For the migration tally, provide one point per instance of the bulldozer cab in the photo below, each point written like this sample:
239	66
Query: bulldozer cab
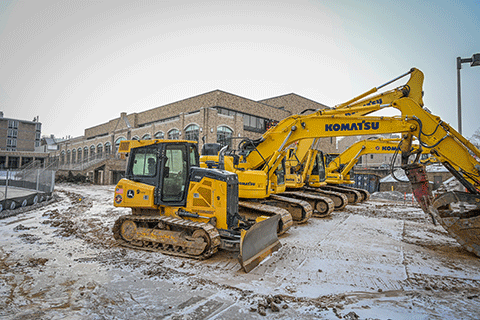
166	166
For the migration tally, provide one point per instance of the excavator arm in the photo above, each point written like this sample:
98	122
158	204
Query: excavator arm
412	89
338	169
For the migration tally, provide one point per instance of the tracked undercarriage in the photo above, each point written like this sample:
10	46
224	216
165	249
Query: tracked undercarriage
252	208
322	206
353	196
339	199
168	235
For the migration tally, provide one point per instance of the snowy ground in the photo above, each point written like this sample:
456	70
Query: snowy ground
379	260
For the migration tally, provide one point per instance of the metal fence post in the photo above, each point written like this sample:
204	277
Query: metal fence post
6	185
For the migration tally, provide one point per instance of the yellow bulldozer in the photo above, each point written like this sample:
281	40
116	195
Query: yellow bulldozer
183	210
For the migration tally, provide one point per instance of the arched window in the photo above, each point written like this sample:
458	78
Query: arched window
99	151
62	158
68	156
174	134
192	132
108	148
224	135
85	154
92	153
74	155
136	138
147	136
159	135
117	143
79	155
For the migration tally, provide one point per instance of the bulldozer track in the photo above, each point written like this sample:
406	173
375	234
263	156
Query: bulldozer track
188	226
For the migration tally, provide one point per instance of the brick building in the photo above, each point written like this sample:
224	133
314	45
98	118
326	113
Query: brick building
18	139
215	116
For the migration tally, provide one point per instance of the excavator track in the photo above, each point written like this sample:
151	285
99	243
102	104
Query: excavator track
339	199
300	210
463	225
323	206
253	208
167	235
353	196
365	194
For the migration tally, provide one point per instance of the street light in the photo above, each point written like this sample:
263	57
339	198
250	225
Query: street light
474	61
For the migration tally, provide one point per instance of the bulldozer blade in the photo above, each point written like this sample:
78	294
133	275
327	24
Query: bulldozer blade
258	242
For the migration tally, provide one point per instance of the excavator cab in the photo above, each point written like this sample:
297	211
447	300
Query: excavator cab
317	176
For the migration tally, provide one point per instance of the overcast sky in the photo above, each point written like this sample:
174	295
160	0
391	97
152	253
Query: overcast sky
79	63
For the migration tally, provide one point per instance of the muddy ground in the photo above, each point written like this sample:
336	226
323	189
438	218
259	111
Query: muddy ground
382	259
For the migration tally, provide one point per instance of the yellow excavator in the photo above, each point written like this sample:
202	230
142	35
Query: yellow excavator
181	209
307	164
449	147
259	188
303	160
339	167
261	185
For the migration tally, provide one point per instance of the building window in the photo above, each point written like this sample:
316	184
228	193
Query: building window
192	132
147	136
74	155
117	143
108	148
79	155
12	124
224	136
173	134
253	123
85	154
92	152
62	158
99	151
68	156
12	133
38	127
37	135
159	135
250	123
12	143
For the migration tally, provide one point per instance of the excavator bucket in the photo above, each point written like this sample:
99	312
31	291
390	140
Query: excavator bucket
258	242
463	224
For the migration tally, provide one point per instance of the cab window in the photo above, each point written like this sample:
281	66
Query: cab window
144	163
174	173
